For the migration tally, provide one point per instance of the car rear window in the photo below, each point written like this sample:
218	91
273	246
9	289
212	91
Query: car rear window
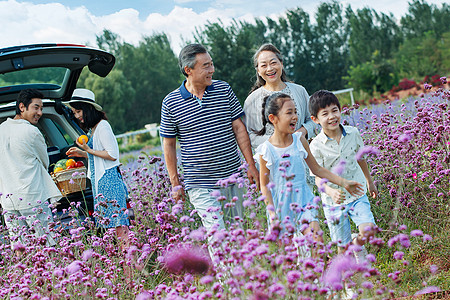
54	75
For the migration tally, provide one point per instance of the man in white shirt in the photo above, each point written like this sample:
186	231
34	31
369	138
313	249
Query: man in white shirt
25	185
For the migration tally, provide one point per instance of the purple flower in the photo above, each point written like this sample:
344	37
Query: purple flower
58	273
206	279
215	193
404	138
339	265
259	295
18	247
74	267
262	249
271	185
292	276
433	269
366	150
263	275
398	255
87	254
367	285
371	257
339	168
427	290
427	86
144	296
427	238
277	289
190	260
197	235
322	183
443	80
416	232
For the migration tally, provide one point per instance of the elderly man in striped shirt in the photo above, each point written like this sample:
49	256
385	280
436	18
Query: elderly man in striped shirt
205	115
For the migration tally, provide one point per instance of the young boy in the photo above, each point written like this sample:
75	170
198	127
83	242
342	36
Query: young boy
336	143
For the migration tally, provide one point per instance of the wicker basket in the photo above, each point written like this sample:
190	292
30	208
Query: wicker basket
63	180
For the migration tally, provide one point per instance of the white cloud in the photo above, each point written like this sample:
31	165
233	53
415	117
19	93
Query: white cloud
28	23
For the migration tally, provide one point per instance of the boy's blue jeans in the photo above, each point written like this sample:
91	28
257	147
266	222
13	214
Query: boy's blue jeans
338	219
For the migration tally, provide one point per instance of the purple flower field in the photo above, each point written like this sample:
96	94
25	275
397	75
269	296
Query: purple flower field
409	156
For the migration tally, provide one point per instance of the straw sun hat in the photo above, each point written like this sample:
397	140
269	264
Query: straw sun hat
84	95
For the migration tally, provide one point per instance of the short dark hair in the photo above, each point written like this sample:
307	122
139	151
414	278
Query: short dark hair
187	57
322	99
25	97
272	105
91	116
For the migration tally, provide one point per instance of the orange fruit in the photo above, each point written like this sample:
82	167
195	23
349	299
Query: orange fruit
70	163
56	170
82	138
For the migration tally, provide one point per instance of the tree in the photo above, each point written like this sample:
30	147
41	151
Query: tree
330	46
423	17
113	93
372	32
424	56
153	71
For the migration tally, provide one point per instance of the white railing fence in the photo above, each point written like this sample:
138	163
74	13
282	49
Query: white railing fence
350	90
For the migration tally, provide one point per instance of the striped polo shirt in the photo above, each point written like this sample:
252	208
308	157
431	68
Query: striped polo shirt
208	146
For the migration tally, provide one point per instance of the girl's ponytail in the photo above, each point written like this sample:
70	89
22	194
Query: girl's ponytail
264	120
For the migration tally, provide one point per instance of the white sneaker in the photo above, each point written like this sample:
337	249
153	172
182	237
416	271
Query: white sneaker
360	256
349	293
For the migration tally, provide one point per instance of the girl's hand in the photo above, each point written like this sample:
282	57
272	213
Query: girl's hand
338	196
75	152
373	190
354	188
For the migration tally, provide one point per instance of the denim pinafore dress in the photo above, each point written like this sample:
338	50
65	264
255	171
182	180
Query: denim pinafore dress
292	198
110	199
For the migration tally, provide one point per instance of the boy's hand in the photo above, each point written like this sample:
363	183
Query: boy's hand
338	196
372	190
354	188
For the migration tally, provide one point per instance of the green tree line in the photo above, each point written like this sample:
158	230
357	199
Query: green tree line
335	48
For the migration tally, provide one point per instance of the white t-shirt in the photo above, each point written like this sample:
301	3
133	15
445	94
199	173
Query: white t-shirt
328	153
24	179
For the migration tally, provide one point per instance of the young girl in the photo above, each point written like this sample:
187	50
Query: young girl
280	159
102	152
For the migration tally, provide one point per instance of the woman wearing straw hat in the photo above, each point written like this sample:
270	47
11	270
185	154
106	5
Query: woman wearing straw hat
102	152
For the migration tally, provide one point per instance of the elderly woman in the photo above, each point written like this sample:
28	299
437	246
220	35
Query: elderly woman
271	78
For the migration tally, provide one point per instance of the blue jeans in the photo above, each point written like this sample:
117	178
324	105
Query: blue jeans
213	211
338	219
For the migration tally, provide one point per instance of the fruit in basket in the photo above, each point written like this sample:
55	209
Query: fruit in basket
82	138
79	164
56	170
61	164
70	163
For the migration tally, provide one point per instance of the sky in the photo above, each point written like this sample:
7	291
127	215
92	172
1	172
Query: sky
80	21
